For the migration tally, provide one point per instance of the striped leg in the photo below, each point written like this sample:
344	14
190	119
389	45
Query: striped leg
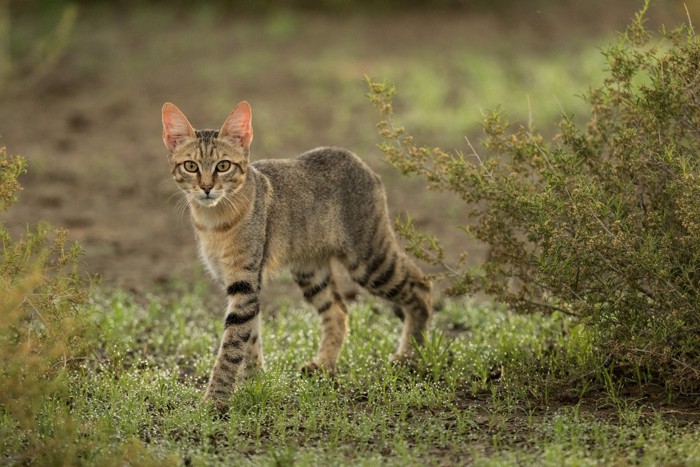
415	301
320	291
391	275
255	361
237	344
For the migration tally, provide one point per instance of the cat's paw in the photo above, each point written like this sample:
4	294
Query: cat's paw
218	403
218	397
312	367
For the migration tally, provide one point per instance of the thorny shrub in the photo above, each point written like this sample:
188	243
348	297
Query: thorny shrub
601	222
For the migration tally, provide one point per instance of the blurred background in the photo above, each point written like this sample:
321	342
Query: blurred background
82	84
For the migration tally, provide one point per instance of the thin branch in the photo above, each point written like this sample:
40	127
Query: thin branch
550	307
690	22
433	257
476	154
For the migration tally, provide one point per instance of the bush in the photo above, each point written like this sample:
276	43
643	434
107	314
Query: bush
42	332
45	331
601	222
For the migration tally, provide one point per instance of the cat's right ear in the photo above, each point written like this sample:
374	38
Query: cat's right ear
176	127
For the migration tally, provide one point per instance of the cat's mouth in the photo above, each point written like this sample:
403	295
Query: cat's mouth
209	200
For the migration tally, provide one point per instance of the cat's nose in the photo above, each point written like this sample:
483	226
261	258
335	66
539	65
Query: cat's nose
206	188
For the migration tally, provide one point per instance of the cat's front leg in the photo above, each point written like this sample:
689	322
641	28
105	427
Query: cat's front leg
240	338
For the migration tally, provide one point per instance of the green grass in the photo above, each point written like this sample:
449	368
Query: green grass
487	389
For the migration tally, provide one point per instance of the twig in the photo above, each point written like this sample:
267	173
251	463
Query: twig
550	307
435	259
475	154
690	22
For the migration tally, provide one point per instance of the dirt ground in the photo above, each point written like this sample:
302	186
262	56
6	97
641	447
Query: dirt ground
90	126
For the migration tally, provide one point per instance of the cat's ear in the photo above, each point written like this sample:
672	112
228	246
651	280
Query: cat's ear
176	127
237	126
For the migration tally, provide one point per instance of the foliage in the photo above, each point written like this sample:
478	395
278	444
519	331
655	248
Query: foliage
601	222
38	332
44	331
11	167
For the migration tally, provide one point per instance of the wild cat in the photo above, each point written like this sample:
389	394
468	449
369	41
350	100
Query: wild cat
251	219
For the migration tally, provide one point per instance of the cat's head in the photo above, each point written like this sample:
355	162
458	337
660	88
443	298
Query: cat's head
208	165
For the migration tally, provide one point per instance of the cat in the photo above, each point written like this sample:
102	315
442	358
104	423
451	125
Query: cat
323	209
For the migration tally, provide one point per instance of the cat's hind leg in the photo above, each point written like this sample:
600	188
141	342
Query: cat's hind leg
388	273
319	289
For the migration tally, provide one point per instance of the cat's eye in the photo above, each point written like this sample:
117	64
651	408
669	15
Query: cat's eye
191	166
223	166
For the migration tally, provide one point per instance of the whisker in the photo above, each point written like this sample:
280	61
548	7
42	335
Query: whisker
230	202
245	196
178	192
181	207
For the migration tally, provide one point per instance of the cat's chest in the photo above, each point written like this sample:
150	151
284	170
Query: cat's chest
209	257
220	250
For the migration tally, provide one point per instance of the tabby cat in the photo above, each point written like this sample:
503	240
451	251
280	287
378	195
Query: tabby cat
323	209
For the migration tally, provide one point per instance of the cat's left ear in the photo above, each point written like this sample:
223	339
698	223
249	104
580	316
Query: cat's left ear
176	127
237	127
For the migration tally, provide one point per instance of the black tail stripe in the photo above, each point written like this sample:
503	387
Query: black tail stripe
233	319
313	291
240	287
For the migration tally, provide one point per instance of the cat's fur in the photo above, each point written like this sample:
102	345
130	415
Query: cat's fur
324	208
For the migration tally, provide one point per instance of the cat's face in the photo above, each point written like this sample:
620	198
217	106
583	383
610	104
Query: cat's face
208	165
